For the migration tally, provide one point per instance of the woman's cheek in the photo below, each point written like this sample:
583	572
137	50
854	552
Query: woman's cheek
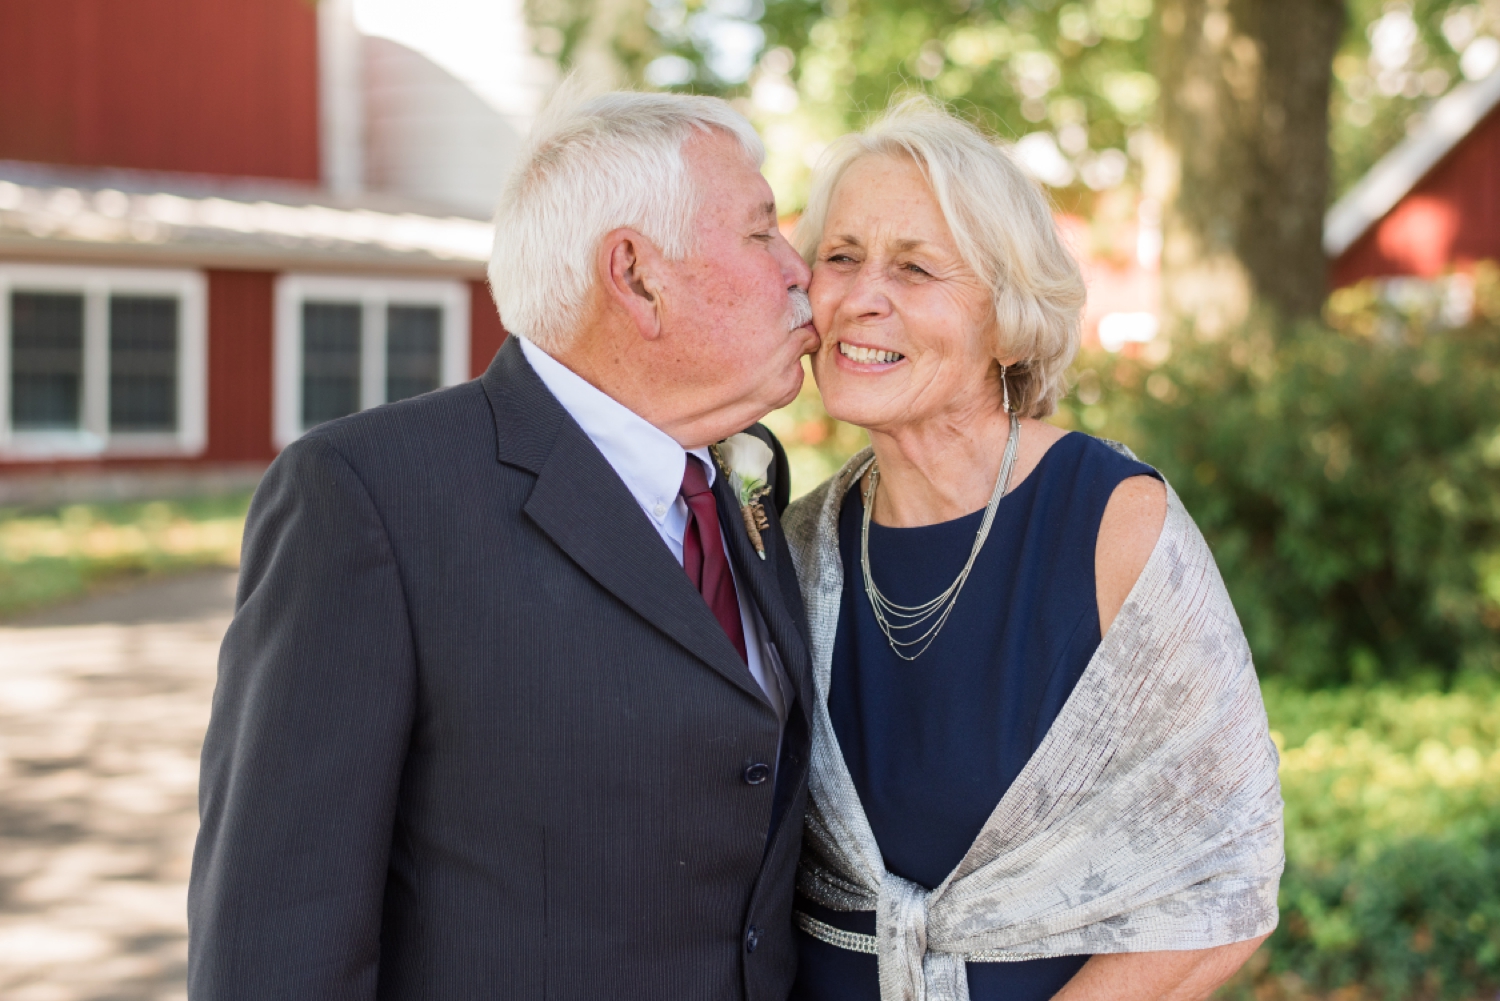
825	292
823	307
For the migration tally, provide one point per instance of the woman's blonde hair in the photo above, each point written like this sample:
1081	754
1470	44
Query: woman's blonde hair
1003	226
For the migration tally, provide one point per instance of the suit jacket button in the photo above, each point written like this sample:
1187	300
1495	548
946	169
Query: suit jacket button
752	938
757	774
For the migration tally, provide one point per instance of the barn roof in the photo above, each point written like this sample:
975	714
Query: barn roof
141	217
1444	126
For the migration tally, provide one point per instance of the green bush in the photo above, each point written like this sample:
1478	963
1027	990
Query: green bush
1347	477
1364	769
1421	919
1393	843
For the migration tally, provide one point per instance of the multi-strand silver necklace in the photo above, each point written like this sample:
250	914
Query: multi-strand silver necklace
903	619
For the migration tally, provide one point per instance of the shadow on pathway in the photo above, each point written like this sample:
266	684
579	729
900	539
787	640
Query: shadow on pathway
103	704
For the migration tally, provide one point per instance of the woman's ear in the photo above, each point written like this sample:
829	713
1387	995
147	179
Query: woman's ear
631	272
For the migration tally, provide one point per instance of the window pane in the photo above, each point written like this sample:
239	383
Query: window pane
142	364
330	360
413	341
46	361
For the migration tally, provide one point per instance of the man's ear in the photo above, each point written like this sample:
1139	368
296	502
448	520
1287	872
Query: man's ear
631	273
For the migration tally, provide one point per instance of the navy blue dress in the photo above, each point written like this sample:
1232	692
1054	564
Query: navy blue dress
933	745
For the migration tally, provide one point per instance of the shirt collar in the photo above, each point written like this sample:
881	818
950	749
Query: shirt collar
647	459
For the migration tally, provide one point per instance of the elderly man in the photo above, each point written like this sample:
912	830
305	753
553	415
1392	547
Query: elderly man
514	701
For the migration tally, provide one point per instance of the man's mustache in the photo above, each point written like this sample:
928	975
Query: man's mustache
801	308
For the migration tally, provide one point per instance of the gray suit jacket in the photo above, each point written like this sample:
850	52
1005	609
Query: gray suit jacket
476	736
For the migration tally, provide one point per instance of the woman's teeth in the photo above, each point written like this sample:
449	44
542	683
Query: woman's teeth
868	356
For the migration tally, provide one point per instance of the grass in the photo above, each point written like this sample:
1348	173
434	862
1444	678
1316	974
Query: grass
51	555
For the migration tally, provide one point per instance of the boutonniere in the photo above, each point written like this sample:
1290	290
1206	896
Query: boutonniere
746	460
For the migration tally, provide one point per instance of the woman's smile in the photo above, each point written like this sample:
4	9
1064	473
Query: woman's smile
864	358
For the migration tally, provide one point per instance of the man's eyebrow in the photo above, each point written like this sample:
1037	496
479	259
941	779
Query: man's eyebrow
764	211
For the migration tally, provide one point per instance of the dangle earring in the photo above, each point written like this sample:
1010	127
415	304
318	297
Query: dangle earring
1005	388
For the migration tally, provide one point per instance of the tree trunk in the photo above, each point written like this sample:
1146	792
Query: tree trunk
1242	167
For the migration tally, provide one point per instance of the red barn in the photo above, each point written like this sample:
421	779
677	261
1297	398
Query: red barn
1432	205
191	270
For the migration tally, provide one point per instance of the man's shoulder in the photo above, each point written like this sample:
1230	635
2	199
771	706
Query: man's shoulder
394	430
400	443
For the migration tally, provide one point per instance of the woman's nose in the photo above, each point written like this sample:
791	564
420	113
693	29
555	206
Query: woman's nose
865	295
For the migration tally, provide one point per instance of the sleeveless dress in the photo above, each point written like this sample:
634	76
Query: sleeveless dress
932	745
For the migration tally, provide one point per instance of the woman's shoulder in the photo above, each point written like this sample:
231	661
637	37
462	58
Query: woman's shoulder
803	511
819	507
1088	469
1106	456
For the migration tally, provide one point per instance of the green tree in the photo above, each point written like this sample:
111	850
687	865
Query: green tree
1074	76
1080	75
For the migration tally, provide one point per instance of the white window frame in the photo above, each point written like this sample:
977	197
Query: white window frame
373	295
93	439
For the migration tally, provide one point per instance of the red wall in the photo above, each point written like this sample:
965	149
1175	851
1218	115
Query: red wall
240	323
211	86
486	332
1449	220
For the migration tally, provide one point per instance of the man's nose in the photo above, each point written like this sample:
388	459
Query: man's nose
793	267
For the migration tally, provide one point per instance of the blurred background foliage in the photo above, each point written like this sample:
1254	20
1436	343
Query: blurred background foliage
1346	474
1076	76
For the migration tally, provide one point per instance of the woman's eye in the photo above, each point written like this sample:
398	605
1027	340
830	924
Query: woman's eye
915	270
839	259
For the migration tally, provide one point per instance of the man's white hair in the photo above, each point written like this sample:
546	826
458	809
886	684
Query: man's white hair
590	167
1004	229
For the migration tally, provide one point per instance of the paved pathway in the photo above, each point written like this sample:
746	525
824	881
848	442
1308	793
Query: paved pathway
102	710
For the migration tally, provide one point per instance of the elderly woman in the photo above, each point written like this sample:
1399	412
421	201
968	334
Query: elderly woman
1041	763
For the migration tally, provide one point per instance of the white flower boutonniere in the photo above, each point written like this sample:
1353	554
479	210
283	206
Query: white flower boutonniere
746	460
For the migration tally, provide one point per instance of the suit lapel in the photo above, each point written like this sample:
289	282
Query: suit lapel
761	578
580	502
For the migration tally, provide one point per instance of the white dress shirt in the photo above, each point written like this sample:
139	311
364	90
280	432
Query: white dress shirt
651	463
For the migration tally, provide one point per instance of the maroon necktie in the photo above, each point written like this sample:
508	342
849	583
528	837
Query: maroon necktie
703	554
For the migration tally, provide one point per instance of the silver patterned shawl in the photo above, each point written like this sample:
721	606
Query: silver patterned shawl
1148	819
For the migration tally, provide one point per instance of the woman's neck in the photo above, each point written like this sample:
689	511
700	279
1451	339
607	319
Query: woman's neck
943	469
938	470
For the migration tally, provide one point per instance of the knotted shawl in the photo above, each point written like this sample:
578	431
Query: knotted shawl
1148	819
